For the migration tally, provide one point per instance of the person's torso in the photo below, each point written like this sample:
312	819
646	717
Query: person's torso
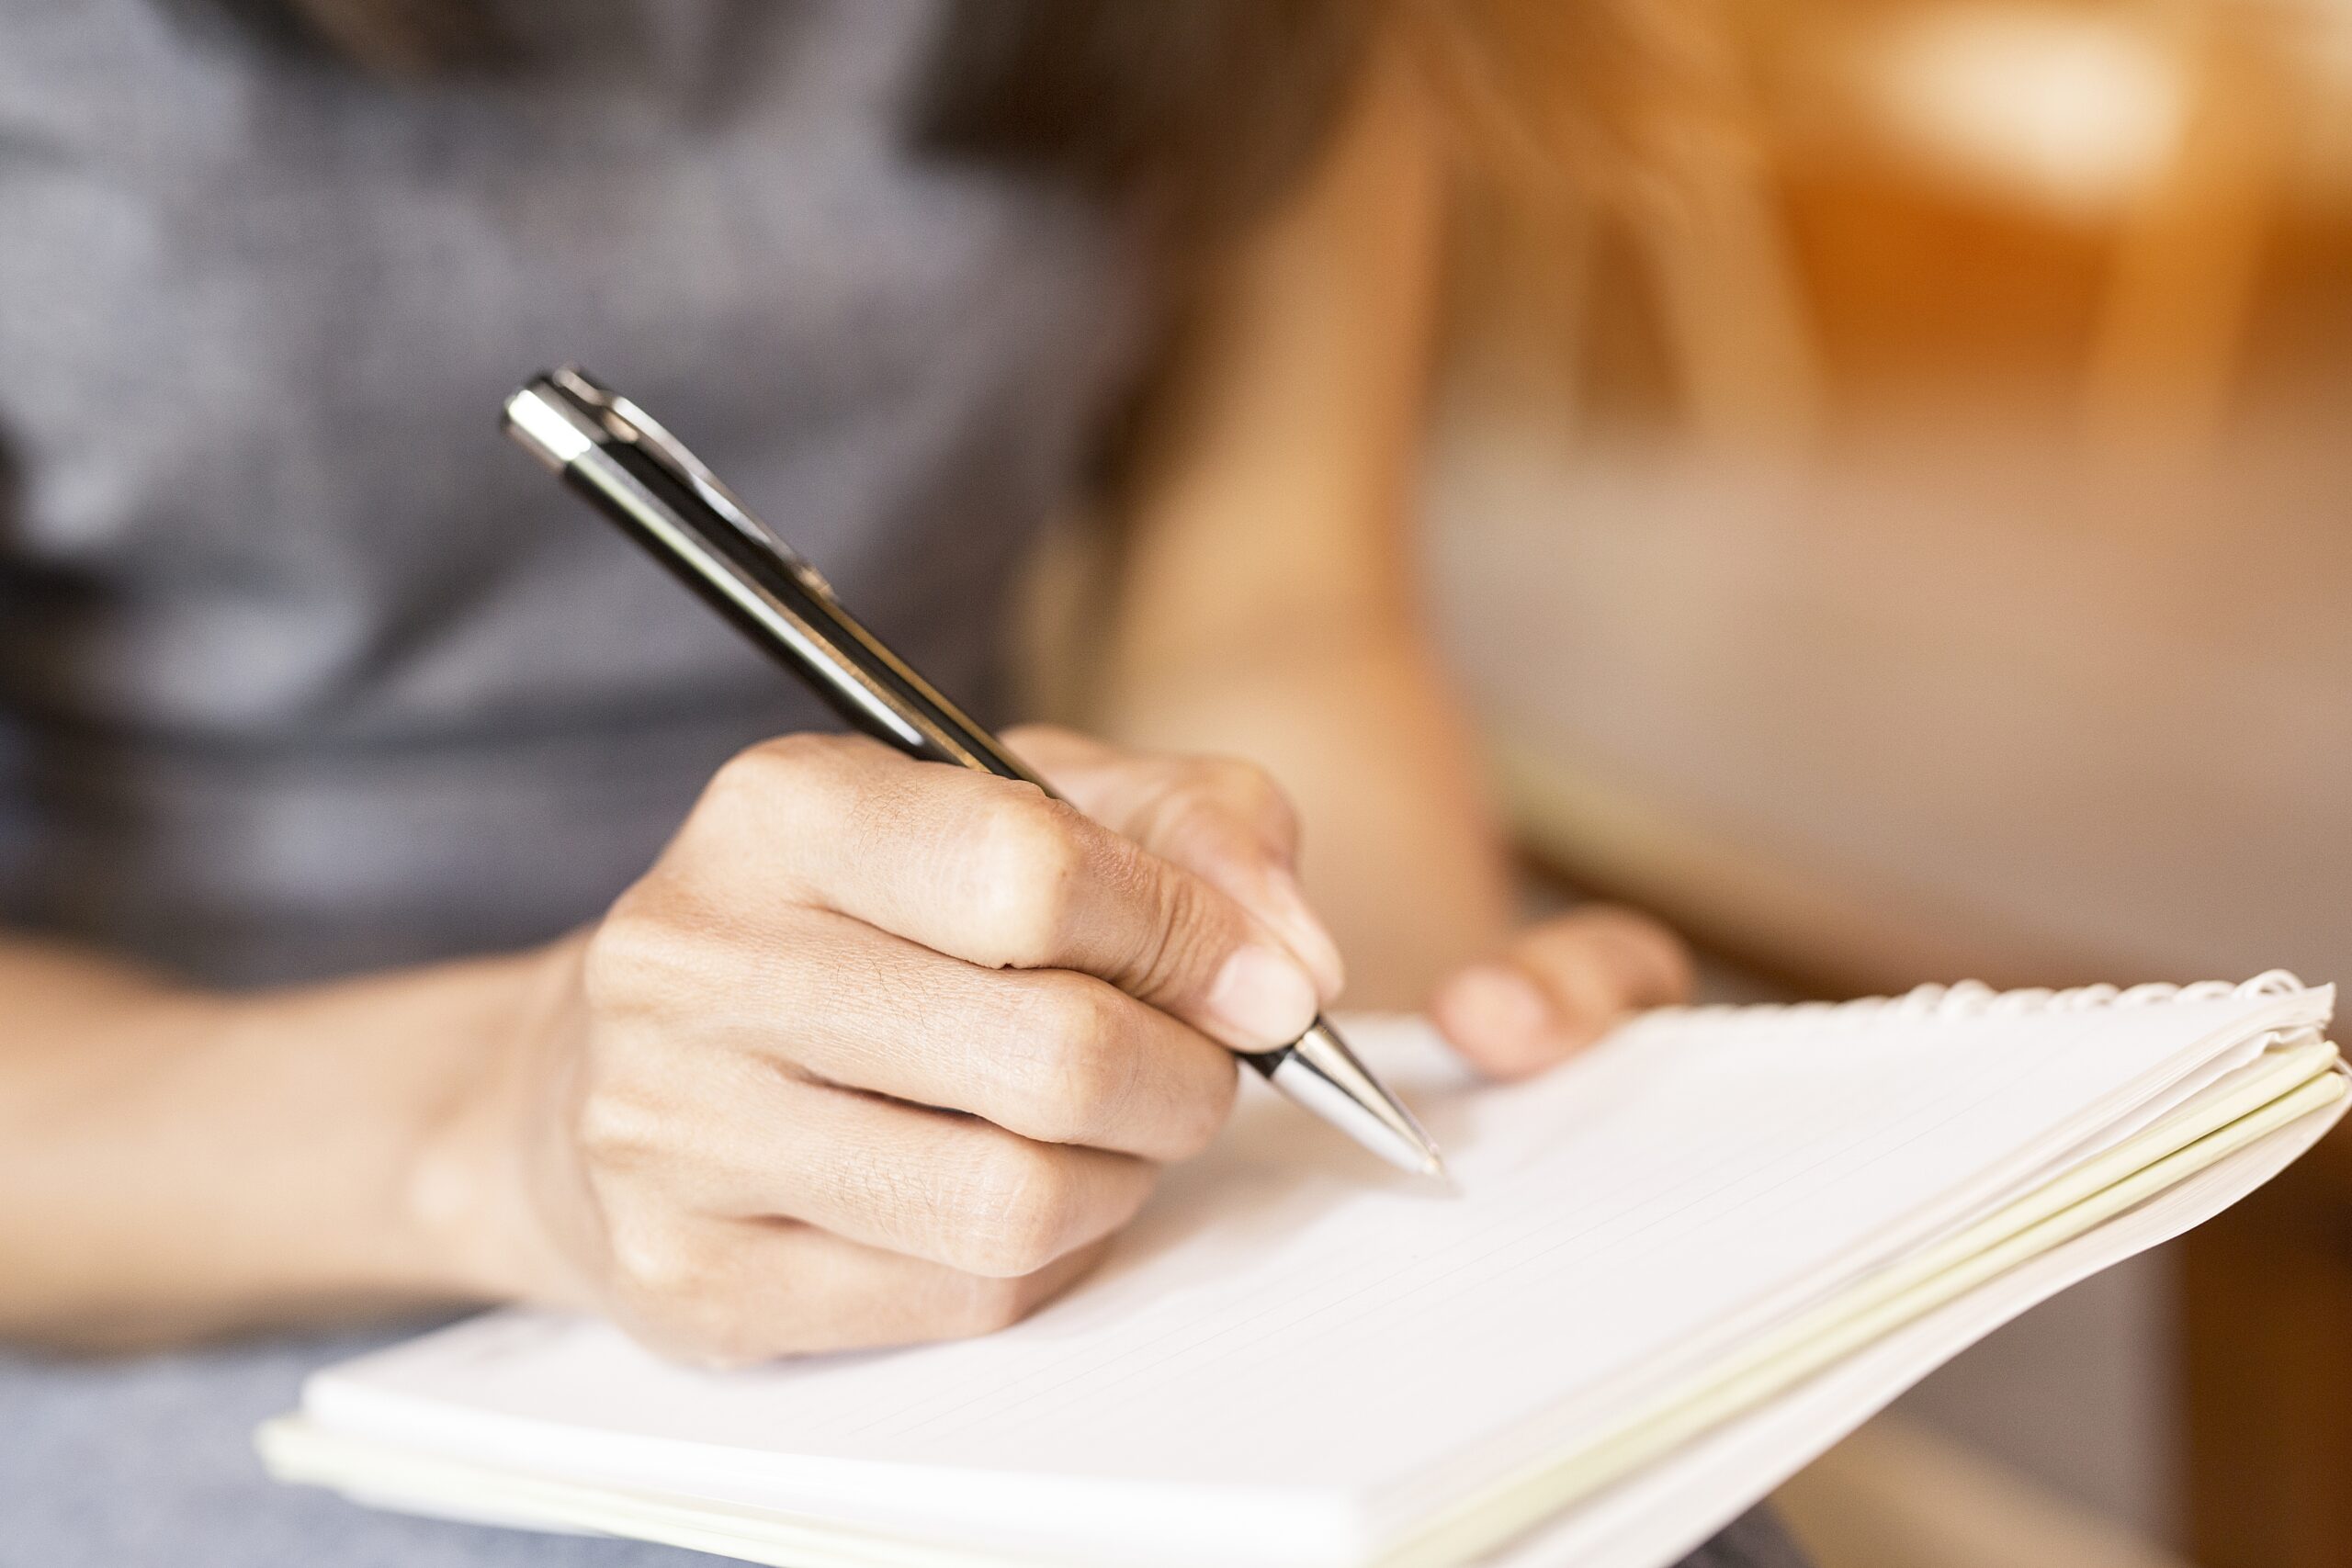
302	667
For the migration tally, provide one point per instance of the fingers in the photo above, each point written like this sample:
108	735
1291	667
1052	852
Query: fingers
1225	820
882	1051
995	873
1050	1054
1557	988
734	1292
947	1188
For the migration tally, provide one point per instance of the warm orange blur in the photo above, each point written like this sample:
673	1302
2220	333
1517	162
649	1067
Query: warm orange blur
1893	503
1923	498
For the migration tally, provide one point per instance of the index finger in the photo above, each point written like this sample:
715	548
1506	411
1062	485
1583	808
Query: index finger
995	872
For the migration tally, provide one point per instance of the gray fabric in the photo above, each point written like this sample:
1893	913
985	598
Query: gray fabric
149	1463
302	669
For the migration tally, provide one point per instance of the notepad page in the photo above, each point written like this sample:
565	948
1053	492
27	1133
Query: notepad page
1666	1511
1291	1332
1648	1519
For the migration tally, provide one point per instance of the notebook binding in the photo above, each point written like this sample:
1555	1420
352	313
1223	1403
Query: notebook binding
1973	998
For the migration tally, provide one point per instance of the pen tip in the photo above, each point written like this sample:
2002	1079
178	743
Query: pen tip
1321	1073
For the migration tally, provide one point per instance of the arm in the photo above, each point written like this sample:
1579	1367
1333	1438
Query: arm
172	1163
1265	604
595	1124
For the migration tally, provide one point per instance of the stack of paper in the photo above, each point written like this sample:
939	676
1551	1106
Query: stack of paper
1676	1270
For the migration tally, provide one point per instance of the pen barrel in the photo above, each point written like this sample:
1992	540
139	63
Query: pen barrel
776	600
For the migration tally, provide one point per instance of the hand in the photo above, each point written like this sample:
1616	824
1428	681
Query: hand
1556	986
882	1051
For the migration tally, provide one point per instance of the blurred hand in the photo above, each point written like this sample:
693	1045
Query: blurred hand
882	1051
1556	986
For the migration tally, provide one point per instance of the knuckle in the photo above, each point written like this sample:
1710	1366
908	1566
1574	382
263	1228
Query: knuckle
977	1305
1203	1115
752	774
1245	784
616	1132
1238	790
1019	1210
1098	1086
1191	824
629	955
797	755
680	1286
703	1334
760	778
1068	1079
659	1275
1027	864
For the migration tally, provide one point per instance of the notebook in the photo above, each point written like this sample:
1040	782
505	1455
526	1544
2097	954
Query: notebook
1675	1270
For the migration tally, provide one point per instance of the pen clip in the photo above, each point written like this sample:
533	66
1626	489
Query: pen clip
624	420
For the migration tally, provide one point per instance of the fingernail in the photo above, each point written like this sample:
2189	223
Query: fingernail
1501	1003
1308	936
1263	997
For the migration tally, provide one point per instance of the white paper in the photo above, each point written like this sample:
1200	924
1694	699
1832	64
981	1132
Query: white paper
1293	1350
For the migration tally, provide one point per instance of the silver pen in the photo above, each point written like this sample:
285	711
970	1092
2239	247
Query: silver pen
638	475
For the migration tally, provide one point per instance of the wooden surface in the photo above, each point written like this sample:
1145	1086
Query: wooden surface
2268	1341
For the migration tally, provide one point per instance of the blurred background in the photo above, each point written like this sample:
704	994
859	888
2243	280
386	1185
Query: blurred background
1893	511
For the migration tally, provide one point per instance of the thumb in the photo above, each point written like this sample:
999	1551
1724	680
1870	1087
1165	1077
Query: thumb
1223	819
1557	986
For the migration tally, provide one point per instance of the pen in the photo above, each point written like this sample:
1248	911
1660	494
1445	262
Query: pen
609	451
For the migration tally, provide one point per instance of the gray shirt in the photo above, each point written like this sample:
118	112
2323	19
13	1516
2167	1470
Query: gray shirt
304	670
302	667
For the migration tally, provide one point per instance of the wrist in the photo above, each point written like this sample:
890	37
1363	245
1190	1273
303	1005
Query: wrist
468	1198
